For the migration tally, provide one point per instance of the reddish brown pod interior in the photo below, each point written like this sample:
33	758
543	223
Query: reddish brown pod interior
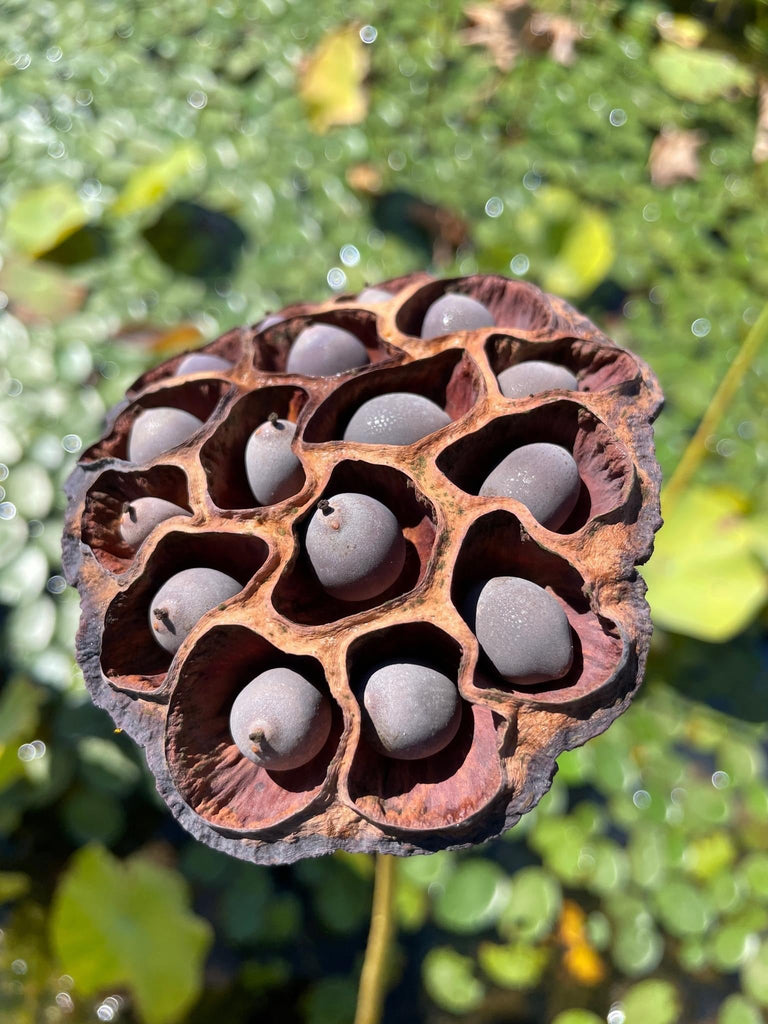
351	792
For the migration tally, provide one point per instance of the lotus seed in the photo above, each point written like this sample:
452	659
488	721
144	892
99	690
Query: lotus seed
533	377
543	477
523	630
142	515
411	710
451	313
155	431
269	321
183	600
323	350
280	720
374	295
197	362
396	418
355	545
274	472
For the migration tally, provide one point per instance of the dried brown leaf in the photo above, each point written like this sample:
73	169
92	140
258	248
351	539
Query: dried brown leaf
674	156
760	148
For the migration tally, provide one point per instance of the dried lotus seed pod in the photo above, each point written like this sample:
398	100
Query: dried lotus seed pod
355	545
489	641
451	313
533	377
543	476
197	362
323	350
523	631
158	430
183	600
274	471
142	515
280	720
396	418
411	710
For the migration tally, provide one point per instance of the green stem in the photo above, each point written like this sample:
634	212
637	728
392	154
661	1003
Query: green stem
697	447
373	978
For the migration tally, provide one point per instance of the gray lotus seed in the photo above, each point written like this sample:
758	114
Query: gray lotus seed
355	545
269	321
523	630
323	350
155	431
544	477
411	710
374	295
533	377
274	472
280	720
197	362
451	313
142	515
184	599
396	418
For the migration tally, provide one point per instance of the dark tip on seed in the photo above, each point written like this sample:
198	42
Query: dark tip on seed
273	418
160	613
130	511
325	506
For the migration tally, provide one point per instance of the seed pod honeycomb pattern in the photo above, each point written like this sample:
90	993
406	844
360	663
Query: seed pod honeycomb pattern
350	795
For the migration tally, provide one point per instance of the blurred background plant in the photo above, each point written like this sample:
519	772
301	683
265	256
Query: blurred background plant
171	169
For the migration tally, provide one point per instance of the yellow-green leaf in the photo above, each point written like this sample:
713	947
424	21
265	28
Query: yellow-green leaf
128	924
332	78
43	217
152	183
13	884
38	291
705	579
585	256
699	75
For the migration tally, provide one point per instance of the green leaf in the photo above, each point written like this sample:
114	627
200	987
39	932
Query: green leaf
738	1010
106	767
533	905
730	944
682	908
651	1002
516	966
754	975
754	870
450	981
578	1017
699	75
473	898
43	217
148	185
19	705
128	924
244	903
637	947
13	884
330	1001
705	579
411	905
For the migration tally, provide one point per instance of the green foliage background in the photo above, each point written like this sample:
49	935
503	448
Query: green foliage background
158	169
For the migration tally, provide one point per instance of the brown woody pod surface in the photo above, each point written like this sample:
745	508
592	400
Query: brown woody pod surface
349	794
